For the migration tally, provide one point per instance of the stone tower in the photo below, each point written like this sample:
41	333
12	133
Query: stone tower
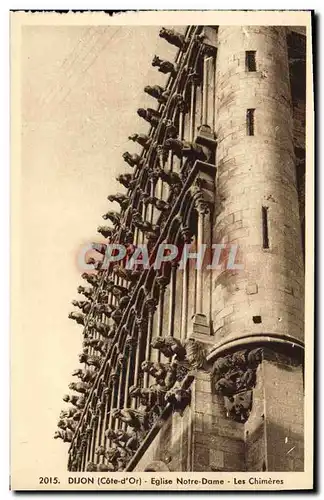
190	368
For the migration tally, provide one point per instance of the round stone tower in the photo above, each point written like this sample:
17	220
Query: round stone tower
257	201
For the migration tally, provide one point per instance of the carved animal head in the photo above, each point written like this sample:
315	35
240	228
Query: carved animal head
146	366
66	398
141	112
158	342
62	424
156	61
110	434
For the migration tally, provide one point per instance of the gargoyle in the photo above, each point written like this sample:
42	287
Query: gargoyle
84	375
82	387
170	347
143	225
90	278
133	160
90	360
67	423
161	205
99	247
114	217
117	290
150	115
78	401
69	413
87	292
136	419
100	327
117	316
124	302
183	149
165	374
84	305
147	397
78	317
195	354
173	37
157	92
104	309
164	66
142	139
98	345
120	198
126	439
65	435
127	180
106	231
126	274
171	178
178	398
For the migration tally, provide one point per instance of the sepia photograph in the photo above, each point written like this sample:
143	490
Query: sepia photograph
162	253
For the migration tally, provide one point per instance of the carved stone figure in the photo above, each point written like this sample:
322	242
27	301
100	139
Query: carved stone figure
90	278
67	423
117	290
131	275
84	375
143	225
195	353
157	92
124	302
165	374
127	180
235	377
173	37
98	345
150	115
132	160
69	413
183	149
126	439
134	418
171	178
114	217
99	326
161	205
120	198
117	316
142	139
82	387
84	305
169	347
179	398
148	397
104	309
87	292
97	264
164	66
65	435
78	401
106	231
90	360
78	317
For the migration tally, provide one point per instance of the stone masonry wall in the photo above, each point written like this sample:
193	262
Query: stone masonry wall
254	172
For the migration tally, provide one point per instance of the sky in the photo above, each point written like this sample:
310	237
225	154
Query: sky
80	89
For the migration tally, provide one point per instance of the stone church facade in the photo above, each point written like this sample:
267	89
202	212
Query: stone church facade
188	368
